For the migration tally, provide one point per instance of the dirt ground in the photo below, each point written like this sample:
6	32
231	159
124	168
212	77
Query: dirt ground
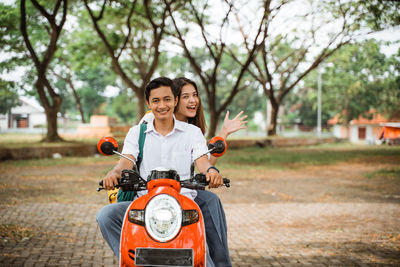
346	214
342	182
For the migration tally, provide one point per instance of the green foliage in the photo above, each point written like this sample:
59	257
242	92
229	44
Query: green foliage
302	105
11	39
124	106
359	78
374	14
380	14
91	101
8	96
300	157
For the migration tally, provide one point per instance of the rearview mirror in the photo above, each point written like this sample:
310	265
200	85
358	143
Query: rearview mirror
107	145
218	146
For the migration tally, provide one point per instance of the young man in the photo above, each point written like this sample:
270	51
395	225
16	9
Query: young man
169	143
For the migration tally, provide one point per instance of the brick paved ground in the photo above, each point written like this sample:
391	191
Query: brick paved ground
278	234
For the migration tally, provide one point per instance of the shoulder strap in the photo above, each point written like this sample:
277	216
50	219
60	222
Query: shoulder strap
142	138
130	195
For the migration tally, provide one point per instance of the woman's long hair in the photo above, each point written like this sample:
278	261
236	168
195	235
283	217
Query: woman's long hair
198	120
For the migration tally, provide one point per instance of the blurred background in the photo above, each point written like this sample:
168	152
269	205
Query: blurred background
75	69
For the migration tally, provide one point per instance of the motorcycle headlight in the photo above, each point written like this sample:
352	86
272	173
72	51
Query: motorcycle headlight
163	217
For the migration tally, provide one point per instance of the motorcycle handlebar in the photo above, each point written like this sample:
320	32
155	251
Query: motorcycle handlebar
227	182
190	185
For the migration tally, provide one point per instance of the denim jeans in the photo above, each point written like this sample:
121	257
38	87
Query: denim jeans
216	228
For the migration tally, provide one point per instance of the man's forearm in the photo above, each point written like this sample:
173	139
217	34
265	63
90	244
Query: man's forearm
203	164
112	176
124	164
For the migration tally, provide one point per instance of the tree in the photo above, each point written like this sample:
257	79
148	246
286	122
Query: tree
388	89
10	39
206	62
94	81
54	22
133	43
286	58
360	78
8	96
83	64
123	106
301	106
12	46
67	78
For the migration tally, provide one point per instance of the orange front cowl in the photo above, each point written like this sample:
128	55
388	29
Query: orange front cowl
189	237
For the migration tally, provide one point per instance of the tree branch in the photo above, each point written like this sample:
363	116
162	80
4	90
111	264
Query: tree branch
43	11
128	22
203	76
203	31
25	35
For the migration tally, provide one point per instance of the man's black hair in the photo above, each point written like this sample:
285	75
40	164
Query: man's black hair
156	83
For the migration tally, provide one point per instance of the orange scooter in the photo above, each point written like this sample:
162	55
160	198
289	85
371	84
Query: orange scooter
163	227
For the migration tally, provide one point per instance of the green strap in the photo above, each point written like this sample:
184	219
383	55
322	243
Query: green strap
125	196
130	195
142	138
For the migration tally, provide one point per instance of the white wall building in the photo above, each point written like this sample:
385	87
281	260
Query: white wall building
28	115
364	130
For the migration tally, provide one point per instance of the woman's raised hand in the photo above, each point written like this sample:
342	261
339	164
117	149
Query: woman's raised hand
234	125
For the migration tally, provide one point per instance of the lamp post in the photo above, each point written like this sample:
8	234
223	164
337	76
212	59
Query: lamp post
319	128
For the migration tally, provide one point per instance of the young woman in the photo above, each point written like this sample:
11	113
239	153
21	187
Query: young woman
190	110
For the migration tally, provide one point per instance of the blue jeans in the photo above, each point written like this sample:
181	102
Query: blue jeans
110	219
216	228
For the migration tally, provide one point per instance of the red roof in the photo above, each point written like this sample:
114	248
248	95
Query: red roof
376	119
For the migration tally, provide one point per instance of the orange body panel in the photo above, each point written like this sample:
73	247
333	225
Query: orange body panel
189	237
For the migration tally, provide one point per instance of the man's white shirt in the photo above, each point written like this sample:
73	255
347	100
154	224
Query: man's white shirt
176	150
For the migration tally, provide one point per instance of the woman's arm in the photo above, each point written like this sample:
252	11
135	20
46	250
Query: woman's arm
229	127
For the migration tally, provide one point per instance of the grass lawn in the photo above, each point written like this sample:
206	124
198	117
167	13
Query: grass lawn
18	140
298	157
254	157
74	179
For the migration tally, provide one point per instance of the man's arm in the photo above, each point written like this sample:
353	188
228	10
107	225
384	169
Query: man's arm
131	150
212	175
111	178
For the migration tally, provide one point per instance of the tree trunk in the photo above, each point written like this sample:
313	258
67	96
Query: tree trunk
52	129
271	129
51	110
214	118
79	107
141	108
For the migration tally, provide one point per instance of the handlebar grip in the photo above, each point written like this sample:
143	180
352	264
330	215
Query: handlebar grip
226	182
101	186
